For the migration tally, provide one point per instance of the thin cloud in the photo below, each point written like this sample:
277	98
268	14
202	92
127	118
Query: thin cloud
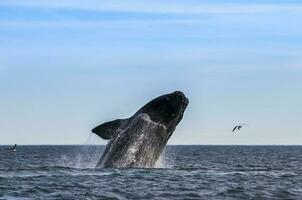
158	6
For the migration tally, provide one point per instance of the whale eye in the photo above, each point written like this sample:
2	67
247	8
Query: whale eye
173	116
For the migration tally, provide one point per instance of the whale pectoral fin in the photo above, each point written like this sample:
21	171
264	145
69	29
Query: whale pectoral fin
109	130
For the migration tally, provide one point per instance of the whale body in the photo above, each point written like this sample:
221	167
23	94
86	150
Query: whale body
139	140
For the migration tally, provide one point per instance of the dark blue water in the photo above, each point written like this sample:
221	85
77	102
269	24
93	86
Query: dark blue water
185	172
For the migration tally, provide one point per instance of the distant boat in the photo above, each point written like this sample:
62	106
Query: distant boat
15	148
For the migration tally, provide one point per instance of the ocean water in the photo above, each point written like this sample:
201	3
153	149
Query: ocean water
184	172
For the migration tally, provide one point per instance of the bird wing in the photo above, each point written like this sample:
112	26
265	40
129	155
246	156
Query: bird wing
234	128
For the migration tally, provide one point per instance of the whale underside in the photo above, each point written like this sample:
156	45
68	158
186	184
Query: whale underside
139	140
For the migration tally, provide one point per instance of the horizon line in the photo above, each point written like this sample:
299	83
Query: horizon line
166	145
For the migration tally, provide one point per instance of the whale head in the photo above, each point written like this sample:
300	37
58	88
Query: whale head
166	110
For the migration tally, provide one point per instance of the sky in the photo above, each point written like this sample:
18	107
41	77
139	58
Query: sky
67	66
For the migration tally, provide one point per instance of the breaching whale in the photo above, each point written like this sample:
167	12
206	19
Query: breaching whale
139	140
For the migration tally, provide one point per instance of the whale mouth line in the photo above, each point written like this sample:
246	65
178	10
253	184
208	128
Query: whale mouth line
147	118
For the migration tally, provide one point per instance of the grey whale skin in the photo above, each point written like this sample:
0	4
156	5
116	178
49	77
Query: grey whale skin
139	140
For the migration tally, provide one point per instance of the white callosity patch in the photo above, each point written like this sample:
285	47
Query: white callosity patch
148	119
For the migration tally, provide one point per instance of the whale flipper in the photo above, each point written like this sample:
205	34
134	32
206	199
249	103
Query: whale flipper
109	130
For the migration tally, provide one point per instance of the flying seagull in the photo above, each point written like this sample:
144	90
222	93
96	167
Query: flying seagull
238	127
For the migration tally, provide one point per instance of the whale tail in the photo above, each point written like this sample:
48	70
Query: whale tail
109	130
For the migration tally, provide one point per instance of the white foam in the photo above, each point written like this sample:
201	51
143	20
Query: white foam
161	161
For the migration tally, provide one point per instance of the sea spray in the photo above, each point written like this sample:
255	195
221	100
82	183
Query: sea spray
161	162
86	156
90	153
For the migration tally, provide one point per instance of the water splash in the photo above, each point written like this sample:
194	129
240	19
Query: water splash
86	156
161	162
89	154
